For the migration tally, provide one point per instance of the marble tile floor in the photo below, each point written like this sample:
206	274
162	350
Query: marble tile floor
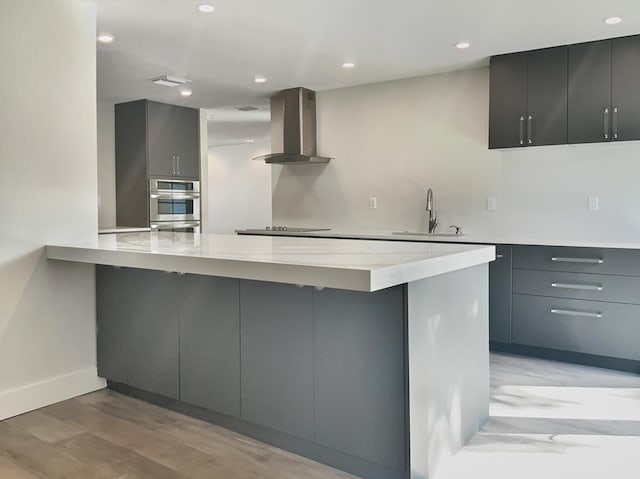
554	420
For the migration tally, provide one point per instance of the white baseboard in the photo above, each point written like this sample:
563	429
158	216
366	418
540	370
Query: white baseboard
44	393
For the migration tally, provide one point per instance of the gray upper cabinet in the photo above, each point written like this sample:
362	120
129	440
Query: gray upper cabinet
589	92
500	279
603	100
168	139
528	99
581	93
160	151
172	141
625	78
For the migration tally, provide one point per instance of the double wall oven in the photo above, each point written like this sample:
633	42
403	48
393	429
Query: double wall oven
174	205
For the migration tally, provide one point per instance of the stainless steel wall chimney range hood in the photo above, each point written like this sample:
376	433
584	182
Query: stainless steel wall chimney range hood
293	128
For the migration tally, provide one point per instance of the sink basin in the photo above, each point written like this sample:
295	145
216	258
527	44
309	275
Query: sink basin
431	235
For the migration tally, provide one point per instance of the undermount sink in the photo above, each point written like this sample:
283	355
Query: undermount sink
433	235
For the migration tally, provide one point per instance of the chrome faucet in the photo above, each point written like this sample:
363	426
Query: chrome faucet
433	221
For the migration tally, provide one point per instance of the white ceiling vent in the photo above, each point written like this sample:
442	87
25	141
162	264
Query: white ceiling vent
170	81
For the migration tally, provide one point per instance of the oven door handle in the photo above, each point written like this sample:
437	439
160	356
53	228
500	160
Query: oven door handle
175	196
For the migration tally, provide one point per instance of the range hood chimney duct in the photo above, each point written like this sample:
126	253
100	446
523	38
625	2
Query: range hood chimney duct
293	128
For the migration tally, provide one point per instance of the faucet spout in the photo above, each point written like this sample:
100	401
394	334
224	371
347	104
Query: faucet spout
433	220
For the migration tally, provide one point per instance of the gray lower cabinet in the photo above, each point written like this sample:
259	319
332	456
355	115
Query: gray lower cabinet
581	300
209	343
359	382
500	281
592	327
276	338
137	314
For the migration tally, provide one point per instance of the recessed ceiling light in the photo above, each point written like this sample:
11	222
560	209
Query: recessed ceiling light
348	65
613	20
259	79
463	45
206	8
186	92
105	38
250	141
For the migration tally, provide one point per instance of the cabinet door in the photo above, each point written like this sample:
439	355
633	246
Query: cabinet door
209	343
547	97
186	142
360	373
500	285
589	102
137	314
160	151
625	103
508	100
276	344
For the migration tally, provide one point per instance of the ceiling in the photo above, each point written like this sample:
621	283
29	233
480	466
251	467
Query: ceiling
304	43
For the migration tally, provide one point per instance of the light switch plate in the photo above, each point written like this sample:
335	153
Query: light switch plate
492	203
373	202
593	203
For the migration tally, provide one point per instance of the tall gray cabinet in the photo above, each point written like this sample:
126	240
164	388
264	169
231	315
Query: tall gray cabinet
153	140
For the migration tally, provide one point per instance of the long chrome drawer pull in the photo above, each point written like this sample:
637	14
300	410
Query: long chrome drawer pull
569	312
558	259
588	287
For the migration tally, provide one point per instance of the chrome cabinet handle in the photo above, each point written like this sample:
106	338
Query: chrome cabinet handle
586	287
614	125
522	130
530	130
571	312
606	123
498	256
559	259
178	163
173	164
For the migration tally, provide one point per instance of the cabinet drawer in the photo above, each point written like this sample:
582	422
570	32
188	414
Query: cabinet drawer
605	329
581	260
595	287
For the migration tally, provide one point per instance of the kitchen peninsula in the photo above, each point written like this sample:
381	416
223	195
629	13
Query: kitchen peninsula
370	356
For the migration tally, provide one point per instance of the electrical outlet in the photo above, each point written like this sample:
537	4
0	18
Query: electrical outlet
492	203
593	203
373	203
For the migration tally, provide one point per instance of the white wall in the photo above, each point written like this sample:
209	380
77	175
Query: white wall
239	188
394	140
106	165
48	188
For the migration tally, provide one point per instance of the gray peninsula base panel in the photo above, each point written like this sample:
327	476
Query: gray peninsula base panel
383	385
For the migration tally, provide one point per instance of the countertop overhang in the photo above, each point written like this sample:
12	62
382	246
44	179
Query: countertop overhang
357	265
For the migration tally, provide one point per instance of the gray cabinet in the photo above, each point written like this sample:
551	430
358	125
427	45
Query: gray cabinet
173	149
137	340
500	284
603	101
152	140
579	93
591	327
209	344
359	385
582	300
528	99
276	338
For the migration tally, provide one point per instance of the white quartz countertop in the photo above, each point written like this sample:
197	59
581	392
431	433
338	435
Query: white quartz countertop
462	239
123	229
358	265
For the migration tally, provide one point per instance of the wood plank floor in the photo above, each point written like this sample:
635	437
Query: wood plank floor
548	420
